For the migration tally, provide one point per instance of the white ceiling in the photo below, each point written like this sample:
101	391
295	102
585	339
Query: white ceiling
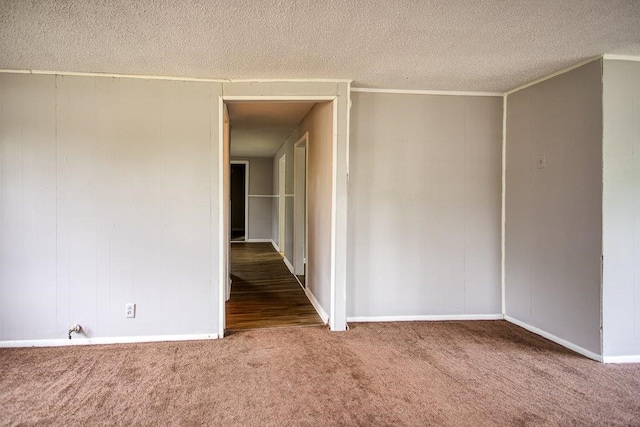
461	45
258	129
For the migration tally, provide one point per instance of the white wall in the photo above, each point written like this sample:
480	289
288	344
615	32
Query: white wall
260	196
621	209
106	198
553	232
424	205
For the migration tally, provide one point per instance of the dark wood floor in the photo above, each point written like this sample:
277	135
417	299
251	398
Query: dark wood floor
264	293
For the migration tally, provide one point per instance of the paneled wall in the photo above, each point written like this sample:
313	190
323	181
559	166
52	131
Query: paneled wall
424	205
106	199
554	206
109	194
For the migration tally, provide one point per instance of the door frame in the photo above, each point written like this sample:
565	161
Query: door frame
282	203
336	245
246	197
302	141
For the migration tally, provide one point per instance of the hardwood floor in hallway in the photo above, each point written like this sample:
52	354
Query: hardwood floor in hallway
264	293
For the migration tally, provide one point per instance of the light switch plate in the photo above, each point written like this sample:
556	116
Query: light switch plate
541	161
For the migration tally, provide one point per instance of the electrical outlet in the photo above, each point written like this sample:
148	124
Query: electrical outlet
541	161
130	310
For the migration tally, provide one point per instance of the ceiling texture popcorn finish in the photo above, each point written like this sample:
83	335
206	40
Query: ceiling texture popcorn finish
454	45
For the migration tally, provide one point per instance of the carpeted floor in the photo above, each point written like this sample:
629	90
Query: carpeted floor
430	373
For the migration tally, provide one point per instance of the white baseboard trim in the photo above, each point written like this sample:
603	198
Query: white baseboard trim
425	318
288	264
622	359
62	342
299	282
555	339
314	302
275	246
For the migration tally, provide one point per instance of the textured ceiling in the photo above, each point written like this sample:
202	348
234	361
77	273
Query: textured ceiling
462	45
258	129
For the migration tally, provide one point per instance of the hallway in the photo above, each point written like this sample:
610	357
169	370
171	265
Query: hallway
264	294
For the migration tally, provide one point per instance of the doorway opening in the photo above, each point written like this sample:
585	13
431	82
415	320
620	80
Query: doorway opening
266	289
238	204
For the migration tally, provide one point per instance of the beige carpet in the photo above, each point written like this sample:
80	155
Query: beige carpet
447	373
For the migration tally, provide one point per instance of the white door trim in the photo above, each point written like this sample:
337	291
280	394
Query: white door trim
319	98
282	204
303	140
222	246
334	217
223	254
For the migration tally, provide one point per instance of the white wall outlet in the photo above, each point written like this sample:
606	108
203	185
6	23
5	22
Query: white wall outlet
130	310
541	161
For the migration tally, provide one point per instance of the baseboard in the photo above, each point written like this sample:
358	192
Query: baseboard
275	246
423	318
300	283
288	264
555	339
314	302
621	359
61	342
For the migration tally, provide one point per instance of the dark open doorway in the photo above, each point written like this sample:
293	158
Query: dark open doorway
238	196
